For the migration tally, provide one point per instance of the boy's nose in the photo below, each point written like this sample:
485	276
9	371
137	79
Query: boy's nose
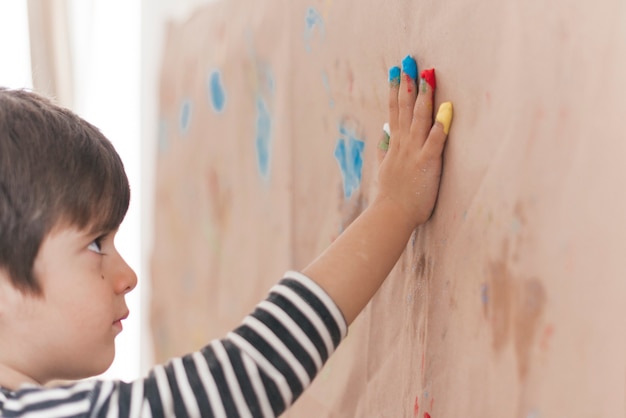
125	277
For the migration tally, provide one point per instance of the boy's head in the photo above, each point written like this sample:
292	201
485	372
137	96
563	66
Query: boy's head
55	170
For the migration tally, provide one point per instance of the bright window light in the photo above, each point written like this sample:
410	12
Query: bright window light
106	53
14	45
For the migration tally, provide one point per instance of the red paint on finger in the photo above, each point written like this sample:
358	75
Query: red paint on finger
416	408
429	76
426	415
409	82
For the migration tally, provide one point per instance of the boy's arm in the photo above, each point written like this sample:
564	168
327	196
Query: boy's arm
352	269
262	367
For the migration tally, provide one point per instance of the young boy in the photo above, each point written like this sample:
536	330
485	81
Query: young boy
63	194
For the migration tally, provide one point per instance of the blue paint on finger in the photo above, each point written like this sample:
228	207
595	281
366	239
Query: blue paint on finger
409	66
394	75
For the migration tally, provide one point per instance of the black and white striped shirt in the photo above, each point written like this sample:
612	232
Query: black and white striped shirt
257	370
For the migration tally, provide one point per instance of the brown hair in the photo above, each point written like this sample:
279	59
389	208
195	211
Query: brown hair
55	168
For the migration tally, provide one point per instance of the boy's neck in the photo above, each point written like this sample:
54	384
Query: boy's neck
12	379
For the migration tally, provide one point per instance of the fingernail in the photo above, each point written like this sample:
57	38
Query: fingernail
386	130
409	66
394	76
429	77
444	116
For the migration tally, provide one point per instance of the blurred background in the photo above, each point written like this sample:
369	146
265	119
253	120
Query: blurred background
101	58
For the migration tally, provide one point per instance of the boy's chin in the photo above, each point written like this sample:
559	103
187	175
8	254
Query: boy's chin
92	366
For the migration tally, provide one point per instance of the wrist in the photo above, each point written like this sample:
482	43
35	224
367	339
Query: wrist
394	214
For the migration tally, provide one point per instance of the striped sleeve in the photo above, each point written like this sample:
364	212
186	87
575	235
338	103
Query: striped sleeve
262	366
258	370
286	340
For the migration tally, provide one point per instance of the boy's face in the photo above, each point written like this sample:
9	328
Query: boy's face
69	331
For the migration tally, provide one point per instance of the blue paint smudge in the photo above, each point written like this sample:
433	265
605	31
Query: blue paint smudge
217	95
163	139
326	83
185	116
263	136
312	20
484	293
349	155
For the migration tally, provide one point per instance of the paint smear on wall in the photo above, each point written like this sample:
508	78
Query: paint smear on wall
331	101
484	298
263	136
313	23
349	155
217	94
263	86
185	116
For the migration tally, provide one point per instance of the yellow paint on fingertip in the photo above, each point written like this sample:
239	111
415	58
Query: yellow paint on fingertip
444	116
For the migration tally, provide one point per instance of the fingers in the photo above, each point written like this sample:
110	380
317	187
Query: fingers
423	111
407	94
433	147
394	86
411	111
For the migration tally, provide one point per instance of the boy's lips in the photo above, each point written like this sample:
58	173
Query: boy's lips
121	318
118	322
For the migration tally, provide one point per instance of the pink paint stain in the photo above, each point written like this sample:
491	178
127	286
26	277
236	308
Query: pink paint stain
350	80
547	336
416	407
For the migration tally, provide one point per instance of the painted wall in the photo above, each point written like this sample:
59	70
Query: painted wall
509	301
155	17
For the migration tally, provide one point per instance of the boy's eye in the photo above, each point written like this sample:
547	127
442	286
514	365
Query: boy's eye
96	246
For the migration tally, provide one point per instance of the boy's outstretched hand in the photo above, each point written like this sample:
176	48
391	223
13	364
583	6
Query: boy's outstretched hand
410	168
352	269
